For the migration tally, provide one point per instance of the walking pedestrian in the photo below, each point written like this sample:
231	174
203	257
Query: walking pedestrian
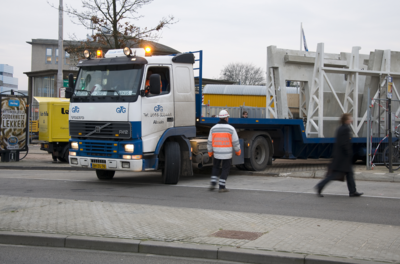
222	139
342	159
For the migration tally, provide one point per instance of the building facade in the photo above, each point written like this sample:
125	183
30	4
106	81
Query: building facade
42	80
7	81
44	67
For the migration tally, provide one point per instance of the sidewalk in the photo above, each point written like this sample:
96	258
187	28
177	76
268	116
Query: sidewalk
232	236
41	160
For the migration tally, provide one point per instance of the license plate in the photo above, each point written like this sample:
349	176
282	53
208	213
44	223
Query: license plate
99	166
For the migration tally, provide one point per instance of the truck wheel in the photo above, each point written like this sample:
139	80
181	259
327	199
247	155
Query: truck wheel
259	155
64	155
105	174
172	167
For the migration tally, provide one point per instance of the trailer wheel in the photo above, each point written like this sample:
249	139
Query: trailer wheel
172	167
105	174
259	155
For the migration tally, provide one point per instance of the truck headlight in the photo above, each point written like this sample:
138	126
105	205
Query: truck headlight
75	145
129	148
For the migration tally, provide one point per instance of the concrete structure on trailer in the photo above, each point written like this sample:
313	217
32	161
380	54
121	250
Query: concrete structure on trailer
340	76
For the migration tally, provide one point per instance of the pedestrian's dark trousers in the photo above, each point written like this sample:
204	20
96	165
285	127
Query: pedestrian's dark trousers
351	185
226	165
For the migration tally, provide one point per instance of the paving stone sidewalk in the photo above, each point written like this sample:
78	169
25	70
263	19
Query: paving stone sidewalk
342	239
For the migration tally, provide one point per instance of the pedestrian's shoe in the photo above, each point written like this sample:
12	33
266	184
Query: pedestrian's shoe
318	190
223	190
212	187
356	194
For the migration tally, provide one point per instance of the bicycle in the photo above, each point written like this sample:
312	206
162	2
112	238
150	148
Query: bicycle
395	153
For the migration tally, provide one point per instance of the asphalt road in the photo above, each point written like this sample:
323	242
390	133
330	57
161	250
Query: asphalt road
47	255
255	194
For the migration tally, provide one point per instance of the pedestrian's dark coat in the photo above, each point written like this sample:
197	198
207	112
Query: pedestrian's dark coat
342	151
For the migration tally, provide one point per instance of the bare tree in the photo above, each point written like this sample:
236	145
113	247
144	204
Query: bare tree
112	22
243	73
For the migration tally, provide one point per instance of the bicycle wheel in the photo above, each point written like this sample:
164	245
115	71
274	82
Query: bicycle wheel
395	157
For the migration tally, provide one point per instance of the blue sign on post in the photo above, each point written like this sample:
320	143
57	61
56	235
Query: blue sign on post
13	103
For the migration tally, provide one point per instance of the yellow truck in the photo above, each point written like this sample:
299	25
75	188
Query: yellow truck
54	127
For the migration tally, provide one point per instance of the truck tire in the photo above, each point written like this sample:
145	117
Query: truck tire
105	174
62	159
64	154
259	155
172	166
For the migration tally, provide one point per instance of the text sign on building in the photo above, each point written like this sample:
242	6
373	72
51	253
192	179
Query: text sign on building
13	123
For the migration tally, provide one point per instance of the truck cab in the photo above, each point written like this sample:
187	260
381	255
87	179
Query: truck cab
132	112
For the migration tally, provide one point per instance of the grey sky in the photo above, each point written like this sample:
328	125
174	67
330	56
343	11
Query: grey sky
226	30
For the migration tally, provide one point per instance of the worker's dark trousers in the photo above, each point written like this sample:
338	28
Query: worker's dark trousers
226	165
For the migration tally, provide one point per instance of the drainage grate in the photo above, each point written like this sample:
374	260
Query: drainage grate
232	234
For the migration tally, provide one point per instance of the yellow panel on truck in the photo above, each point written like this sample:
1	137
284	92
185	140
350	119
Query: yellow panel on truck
53	119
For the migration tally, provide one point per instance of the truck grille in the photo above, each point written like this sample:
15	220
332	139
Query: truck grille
92	129
99	149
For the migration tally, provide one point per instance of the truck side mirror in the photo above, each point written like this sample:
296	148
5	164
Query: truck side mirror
70	90
155	84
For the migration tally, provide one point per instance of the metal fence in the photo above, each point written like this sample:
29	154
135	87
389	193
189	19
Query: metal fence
382	119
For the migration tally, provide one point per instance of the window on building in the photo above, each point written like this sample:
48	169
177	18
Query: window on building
66	58
56	56
6	74
44	86
49	54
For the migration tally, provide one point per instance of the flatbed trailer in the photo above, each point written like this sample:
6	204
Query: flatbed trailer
289	138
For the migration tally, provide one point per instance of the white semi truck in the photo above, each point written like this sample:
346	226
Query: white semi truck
132	112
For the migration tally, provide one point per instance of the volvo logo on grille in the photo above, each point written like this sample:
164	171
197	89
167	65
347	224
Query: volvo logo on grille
123	132
97	129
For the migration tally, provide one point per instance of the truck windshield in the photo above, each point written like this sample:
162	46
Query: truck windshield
110	80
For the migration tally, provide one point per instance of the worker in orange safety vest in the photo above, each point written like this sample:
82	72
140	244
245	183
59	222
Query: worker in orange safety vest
222	139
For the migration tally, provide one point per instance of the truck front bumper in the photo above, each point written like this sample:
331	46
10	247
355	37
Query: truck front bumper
106	164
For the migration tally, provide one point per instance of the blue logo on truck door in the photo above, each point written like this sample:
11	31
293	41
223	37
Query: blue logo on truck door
121	109
75	109
158	108
13	103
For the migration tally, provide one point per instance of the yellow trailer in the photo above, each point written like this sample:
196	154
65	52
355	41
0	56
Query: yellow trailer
54	127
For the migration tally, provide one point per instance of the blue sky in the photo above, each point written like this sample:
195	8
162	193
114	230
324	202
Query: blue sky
226	30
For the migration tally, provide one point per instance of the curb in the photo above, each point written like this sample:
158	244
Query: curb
174	249
43	168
